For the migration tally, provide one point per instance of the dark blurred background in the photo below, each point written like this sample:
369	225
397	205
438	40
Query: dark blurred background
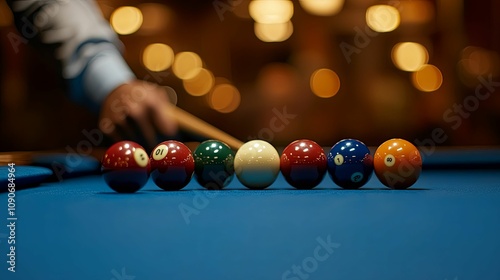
365	69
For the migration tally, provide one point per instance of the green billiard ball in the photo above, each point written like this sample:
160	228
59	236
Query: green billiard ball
213	164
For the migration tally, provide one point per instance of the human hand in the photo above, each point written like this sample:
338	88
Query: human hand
137	111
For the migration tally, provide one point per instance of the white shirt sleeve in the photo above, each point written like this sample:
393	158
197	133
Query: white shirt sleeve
80	39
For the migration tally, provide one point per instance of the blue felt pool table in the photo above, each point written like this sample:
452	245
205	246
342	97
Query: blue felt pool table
446	226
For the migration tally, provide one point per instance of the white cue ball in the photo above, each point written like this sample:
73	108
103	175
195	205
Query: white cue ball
257	164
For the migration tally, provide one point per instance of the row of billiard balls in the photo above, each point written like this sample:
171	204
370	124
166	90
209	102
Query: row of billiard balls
126	166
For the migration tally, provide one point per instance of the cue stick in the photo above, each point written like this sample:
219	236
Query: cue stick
196	125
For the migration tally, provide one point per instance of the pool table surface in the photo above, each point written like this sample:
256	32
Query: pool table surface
446	226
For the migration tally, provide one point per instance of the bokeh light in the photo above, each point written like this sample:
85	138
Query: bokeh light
428	78
271	11
126	20
278	82
224	98
479	61
322	7
157	57
200	84
187	65
382	18
325	83
274	32
409	56
156	17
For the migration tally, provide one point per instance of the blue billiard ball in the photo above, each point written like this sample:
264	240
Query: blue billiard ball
350	164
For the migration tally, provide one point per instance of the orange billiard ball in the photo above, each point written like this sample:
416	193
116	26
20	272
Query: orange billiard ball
397	163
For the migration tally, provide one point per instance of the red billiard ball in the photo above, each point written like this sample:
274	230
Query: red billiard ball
172	165
397	163
303	164
125	167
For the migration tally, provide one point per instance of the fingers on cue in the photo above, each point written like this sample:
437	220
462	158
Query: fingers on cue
144	129
163	120
141	112
108	127
151	115
120	127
